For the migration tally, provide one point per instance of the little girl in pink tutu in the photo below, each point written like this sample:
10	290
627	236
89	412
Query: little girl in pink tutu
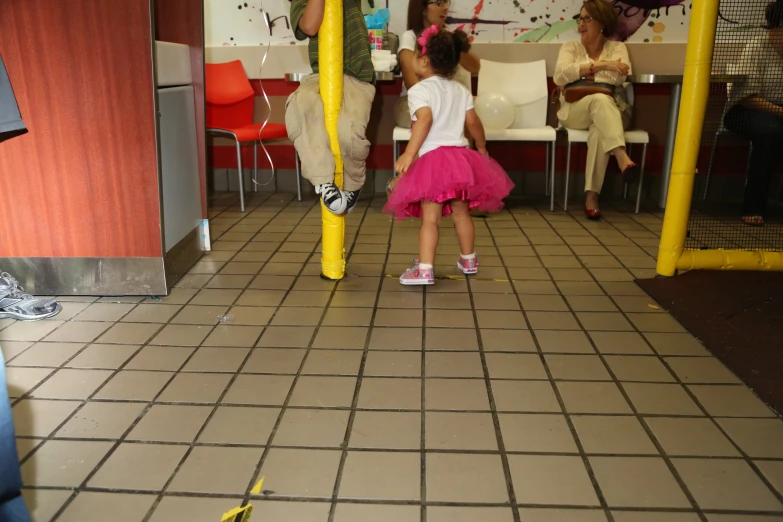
447	178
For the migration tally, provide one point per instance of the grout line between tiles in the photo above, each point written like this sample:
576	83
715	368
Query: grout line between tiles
119	441
493	409
663	360
306	265
358	386
585	460
669	464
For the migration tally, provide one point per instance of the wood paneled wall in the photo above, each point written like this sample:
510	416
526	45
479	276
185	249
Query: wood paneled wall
84	181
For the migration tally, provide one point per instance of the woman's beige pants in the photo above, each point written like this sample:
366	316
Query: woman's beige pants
599	115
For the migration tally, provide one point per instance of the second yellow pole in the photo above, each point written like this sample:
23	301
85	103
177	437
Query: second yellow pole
695	91
330	68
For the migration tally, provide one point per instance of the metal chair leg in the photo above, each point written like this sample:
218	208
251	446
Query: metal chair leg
255	168
625	185
709	167
298	177
546	172
241	176
641	179
567	175
552	177
396	151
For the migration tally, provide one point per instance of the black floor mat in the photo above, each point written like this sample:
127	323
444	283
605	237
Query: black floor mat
738	316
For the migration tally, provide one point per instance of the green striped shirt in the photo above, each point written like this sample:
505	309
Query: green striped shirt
357	61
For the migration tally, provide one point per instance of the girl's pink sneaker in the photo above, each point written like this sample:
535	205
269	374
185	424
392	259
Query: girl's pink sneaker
468	266
418	276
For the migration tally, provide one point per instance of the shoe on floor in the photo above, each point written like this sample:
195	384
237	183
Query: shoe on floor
352	198
332	197
417	276
468	266
16	304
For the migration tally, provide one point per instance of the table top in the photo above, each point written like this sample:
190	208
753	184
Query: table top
678	78
379	76
636	78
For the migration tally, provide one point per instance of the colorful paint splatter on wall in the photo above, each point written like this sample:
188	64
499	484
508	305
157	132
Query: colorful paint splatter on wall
235	22
553	20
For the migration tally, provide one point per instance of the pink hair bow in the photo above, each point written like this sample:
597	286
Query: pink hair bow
424	39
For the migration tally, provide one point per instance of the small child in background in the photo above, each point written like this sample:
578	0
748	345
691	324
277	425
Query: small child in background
439	174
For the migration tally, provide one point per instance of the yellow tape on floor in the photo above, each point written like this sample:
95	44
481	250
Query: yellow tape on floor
243	512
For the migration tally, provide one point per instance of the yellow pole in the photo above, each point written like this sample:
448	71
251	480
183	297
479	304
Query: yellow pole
730	260
696	89
330	67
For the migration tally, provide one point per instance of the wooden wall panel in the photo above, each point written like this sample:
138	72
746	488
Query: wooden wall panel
83	182
182	21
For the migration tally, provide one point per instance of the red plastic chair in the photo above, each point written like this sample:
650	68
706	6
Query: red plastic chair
230	106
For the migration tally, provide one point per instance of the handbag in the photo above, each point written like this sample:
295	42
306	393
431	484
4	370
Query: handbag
577	90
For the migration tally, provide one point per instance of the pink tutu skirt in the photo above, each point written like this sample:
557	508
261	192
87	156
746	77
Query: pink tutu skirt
446	174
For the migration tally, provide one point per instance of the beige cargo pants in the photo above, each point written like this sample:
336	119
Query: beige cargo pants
599	115
304	120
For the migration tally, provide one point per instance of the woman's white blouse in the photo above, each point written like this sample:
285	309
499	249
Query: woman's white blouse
573	54
763	67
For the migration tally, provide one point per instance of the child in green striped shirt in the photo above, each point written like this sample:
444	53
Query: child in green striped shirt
305	111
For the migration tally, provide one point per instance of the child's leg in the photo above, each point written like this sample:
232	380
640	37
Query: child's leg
352	128
472	146
463	224
304	121
429	232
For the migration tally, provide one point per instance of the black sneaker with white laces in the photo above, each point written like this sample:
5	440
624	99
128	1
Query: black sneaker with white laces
352	197
333	197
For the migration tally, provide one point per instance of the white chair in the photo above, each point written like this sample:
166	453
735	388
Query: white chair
731	69
632	137
525	84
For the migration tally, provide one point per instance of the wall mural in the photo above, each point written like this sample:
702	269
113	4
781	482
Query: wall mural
234	22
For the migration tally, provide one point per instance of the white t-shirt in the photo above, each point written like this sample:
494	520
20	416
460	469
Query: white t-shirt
448	101
408	43
763	67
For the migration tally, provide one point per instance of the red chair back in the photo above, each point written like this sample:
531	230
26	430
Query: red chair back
230	97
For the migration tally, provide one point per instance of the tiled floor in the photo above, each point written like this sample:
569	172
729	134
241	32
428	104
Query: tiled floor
548	388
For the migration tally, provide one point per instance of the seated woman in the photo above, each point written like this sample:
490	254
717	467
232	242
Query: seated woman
757	112
421	15
597	60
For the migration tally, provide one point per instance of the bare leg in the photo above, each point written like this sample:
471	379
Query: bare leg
591	200
463	224
429	231
623	160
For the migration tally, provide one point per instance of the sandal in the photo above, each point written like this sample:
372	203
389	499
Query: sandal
753	221
16	304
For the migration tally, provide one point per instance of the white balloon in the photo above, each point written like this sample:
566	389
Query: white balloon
495	110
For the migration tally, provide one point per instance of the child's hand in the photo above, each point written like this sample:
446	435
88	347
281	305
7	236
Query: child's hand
391	184
404	163
483	150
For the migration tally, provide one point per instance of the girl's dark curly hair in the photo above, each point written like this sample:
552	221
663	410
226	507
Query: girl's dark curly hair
445	49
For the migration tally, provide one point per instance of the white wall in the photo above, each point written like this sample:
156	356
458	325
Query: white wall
500	21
